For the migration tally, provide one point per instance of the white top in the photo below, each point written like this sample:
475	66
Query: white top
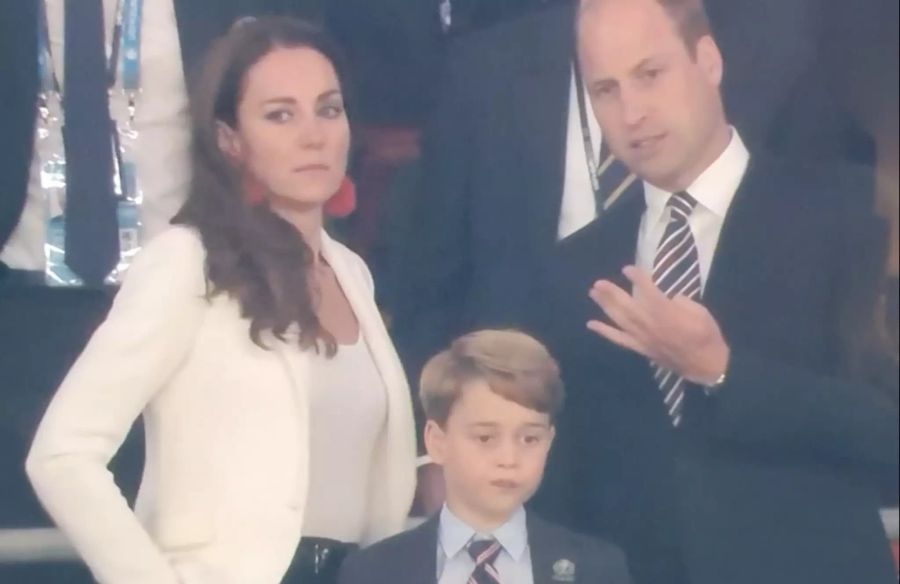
714	190
455	565
348	409
578	205
162	120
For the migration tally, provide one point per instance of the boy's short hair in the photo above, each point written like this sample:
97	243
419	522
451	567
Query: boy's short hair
514	365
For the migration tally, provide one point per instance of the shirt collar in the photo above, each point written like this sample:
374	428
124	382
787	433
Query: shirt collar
455	534
714	188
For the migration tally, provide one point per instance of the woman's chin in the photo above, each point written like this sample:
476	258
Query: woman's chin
308	199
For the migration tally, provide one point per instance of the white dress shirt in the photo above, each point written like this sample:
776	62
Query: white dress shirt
162	153
454	565
714	190
578	206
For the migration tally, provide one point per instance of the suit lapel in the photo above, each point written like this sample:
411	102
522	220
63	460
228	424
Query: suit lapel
740	230
543	552
611	241
394	490
370	323
551	561
423	553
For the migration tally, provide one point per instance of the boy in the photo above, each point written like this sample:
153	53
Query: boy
490	400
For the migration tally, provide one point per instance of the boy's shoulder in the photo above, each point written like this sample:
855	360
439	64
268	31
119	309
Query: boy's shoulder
560	554
557	554
538	527
380	561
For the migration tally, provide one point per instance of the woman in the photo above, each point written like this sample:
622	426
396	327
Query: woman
278	421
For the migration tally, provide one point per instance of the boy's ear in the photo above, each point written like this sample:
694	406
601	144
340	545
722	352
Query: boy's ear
434	441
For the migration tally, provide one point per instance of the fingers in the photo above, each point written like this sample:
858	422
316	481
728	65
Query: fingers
620	307
616	336
645	288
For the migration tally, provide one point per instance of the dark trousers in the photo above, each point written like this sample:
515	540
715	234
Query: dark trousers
42	332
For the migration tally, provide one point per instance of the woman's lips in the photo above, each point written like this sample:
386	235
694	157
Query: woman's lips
311	168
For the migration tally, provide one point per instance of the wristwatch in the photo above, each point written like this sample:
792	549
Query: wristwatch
711	389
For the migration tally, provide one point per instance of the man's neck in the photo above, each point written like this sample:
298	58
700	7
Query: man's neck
717	144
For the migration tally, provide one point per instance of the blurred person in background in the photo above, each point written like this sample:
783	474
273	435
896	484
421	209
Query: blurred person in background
44	327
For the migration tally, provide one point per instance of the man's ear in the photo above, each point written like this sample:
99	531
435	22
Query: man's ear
435	439
709	57
229	142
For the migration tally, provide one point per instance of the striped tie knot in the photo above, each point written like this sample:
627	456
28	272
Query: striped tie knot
682	203
484	551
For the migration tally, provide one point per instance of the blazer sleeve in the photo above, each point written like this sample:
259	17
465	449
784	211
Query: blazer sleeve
784	408
148	333
841	417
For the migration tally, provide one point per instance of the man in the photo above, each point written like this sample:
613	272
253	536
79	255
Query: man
42	329
714	427
504	169
397	46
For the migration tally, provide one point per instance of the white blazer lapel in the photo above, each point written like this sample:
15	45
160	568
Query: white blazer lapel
353	283
394	485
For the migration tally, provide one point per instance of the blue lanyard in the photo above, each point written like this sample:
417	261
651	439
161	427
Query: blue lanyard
125	61
46	73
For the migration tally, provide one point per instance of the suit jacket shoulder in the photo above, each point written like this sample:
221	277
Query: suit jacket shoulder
406	558
561	555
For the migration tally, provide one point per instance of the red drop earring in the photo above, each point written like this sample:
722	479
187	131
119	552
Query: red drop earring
343	202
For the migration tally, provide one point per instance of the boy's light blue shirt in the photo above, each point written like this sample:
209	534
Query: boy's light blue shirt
454	566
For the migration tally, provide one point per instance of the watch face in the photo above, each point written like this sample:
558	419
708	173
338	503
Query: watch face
714	387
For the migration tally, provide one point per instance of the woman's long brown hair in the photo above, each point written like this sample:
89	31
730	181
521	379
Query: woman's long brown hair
252	254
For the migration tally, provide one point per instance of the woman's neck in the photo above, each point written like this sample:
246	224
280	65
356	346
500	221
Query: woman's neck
308	221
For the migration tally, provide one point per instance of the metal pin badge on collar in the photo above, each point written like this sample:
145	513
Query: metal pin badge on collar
564	571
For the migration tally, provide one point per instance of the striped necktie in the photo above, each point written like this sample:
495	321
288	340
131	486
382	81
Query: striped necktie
484	553
676	272
613	178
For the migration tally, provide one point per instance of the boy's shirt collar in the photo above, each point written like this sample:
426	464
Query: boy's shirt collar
454	534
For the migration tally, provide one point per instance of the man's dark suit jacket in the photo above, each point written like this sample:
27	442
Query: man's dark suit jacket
487	208
773	478
411	557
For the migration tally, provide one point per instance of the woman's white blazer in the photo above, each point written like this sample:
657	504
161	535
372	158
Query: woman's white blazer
227	447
